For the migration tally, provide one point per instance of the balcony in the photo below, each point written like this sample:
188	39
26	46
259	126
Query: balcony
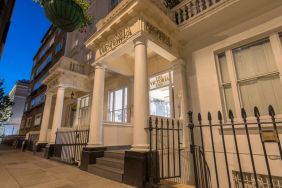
189	9
69	65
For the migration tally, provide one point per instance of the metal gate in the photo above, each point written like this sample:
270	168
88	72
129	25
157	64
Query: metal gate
241	153
165	148
69	145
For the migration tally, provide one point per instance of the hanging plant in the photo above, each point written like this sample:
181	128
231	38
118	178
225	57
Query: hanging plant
68	15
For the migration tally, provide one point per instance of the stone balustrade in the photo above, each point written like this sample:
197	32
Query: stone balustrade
189	9
71	65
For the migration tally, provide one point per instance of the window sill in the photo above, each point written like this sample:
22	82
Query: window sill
109	123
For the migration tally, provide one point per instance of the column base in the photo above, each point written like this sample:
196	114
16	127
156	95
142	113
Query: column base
49	151
89	156
40	146
140	148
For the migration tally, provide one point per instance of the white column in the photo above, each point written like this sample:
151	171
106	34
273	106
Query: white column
181	96
96	117
45	119
58	113
141	95
76	121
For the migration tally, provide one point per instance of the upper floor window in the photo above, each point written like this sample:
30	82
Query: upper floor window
44	64
38	100
114	3
251	77
89	56
74	44
117	106
38	84
59	47
280	34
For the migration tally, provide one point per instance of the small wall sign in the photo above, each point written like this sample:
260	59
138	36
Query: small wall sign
269	136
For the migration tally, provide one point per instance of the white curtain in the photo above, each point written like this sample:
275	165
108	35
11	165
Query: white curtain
251	62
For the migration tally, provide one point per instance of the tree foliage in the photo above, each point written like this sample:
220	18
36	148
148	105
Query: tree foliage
5	104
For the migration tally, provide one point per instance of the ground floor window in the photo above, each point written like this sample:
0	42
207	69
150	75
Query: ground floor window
37	119
117	105
251	77
83	113
161	95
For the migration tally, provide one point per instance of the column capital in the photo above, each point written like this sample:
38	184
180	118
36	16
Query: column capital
100	66
141	40
178	63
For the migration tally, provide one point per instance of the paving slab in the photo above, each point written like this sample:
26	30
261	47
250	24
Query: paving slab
25	170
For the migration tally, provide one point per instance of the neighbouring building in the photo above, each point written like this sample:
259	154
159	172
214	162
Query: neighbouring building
51	50
142	60
18	95
6	11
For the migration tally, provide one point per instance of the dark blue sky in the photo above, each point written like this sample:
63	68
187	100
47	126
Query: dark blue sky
28	26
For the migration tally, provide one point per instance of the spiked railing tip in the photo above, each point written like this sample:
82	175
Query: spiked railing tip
230	115
209	116
243	113
271	111
219	114
256	111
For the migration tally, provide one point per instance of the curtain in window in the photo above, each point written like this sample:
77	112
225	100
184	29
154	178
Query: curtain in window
258	84
251	61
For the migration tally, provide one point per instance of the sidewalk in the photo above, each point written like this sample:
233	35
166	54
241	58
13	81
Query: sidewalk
18	169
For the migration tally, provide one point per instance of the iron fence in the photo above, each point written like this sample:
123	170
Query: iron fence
69	145
242	145
165	148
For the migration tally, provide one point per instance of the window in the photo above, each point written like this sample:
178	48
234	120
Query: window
59	47
28	122
161	89
117	106
226	83
38	84
280	34
44	64
38	100
37	119
256	78
74	44
89	56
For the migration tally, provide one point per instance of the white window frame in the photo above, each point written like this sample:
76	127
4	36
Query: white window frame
35	119
276	45
171	90
124	108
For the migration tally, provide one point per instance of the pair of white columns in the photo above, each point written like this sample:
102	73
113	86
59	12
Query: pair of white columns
57	118
141	100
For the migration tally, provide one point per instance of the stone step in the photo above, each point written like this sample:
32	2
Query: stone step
115	154
106	172
111	162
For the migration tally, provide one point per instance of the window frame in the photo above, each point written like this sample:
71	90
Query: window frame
124	108
235	82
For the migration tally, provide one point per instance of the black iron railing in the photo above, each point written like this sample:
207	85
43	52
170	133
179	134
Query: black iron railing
227	134
69	145
165	148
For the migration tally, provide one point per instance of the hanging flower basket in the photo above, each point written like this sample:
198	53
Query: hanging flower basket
68	15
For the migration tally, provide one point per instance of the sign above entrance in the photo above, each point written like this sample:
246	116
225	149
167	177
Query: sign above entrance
120	37
159	81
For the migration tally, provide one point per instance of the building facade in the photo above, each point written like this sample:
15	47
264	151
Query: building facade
18	95
52	48
6	11
149	59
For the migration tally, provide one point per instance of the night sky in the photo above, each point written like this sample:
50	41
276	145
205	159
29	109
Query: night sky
28	27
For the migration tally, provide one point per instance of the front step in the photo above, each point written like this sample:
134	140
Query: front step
111	166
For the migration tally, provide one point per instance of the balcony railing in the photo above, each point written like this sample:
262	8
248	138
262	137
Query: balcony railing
188	9
72	66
